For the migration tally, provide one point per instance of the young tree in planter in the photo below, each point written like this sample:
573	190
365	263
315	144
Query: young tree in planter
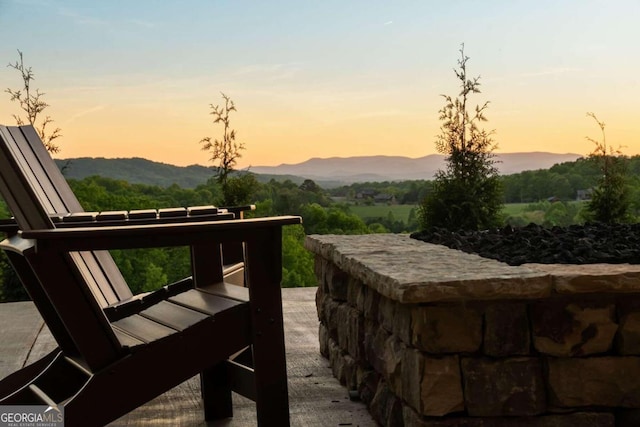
610	200
226	152
468	193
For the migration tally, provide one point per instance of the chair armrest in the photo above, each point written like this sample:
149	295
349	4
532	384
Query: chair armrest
139	217
155	235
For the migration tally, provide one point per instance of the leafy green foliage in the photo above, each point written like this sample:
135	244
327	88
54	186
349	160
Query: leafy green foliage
297	262
458	205
332	220
468	194
4	210
610	200
239	190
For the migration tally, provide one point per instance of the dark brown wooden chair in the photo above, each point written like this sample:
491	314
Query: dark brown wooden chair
118	351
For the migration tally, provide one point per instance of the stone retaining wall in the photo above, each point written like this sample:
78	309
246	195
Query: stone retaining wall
429	336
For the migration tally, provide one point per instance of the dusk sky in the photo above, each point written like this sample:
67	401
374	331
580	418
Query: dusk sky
322	78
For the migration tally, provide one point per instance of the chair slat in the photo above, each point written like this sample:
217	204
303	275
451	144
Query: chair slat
142	328
173	316
203	302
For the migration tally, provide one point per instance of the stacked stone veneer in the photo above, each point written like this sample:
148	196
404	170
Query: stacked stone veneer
430	336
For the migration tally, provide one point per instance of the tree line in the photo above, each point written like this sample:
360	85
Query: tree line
562	182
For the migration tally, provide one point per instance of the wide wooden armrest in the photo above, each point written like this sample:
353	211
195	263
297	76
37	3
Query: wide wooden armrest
154	235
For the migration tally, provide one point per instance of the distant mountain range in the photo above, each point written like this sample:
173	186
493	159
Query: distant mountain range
395	168
327	173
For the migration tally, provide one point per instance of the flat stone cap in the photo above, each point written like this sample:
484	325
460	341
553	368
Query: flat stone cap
411	271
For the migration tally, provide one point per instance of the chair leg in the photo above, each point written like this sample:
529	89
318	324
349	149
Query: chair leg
272	399
216	392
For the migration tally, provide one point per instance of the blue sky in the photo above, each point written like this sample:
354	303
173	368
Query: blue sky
322	79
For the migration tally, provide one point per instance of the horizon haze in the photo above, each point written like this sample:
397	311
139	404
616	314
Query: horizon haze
335	170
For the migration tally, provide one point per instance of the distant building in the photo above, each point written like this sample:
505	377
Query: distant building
366	194
385	198
584	194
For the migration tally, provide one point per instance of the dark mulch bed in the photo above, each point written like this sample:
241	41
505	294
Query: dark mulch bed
576	244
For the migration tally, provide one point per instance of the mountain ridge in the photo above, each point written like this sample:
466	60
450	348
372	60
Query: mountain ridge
327	172
393	168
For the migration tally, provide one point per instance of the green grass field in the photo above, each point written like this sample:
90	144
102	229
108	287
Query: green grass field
400	212
514	209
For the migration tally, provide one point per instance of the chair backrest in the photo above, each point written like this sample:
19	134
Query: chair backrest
68	286
34	181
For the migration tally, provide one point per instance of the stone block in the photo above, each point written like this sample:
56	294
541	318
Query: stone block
371	304
628	339
320	268
323	338
321	296
441	387
568	329
331	321
355	293
412	375
412	418
342	318
402	322
386	313
504	387
337	282
431	386
594	381
336	361
374	343
350	372
506	331
446	329
355	334
368	386
392	354
386	407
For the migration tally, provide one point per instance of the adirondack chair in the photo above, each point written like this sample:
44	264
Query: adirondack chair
118	351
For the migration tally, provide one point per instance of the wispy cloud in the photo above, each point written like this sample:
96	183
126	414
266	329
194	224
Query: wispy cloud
388	23
82	113
81	19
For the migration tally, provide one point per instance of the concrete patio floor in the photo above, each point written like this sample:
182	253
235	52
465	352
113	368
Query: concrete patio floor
315	397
